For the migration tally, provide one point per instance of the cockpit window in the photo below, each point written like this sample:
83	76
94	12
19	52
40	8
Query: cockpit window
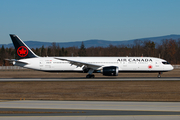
165	63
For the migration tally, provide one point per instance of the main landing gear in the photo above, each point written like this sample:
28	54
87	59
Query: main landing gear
90	75
159	75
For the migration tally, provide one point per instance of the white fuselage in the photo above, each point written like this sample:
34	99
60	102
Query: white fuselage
124	64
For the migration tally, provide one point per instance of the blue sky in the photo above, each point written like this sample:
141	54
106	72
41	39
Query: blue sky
79	20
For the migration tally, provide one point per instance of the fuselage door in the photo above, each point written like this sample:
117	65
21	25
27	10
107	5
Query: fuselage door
157	64
41	64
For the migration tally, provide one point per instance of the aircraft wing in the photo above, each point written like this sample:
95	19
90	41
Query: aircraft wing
80	64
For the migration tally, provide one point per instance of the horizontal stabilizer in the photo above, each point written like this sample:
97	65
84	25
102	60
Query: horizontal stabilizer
13	61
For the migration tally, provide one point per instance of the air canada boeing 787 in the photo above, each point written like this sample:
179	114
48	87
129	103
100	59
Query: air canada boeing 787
108	66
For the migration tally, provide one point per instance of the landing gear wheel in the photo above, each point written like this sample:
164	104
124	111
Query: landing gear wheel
90	76
159	75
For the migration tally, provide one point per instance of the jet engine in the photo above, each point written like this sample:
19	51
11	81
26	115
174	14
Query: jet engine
110	71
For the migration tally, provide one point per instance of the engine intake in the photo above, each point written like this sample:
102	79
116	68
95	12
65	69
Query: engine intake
110	71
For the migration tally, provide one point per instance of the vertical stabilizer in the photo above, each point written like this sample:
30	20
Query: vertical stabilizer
22	50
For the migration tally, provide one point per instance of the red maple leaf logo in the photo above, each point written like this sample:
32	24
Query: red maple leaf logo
22	51
150	66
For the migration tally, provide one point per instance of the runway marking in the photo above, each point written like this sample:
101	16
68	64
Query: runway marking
96	105
93	105
91	109
96	116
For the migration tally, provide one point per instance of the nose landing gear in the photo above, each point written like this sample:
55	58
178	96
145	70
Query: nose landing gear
159	75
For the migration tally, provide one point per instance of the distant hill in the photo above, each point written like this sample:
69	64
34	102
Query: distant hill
95	43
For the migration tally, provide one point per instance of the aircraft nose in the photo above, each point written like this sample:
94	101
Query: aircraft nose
171	67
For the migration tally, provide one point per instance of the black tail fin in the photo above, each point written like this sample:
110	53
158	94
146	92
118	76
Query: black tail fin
23	51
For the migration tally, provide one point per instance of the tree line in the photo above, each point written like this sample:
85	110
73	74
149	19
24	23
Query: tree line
169	50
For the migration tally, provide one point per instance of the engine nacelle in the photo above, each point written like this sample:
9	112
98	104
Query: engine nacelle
110	71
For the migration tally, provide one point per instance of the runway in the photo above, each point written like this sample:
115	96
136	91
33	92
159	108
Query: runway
93	79
87	110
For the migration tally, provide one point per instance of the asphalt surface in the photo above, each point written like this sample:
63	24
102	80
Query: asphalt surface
93	79
88	110
65	112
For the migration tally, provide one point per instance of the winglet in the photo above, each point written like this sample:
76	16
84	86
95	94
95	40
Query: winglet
22	50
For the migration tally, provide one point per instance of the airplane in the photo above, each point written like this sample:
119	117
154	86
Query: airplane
108	66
